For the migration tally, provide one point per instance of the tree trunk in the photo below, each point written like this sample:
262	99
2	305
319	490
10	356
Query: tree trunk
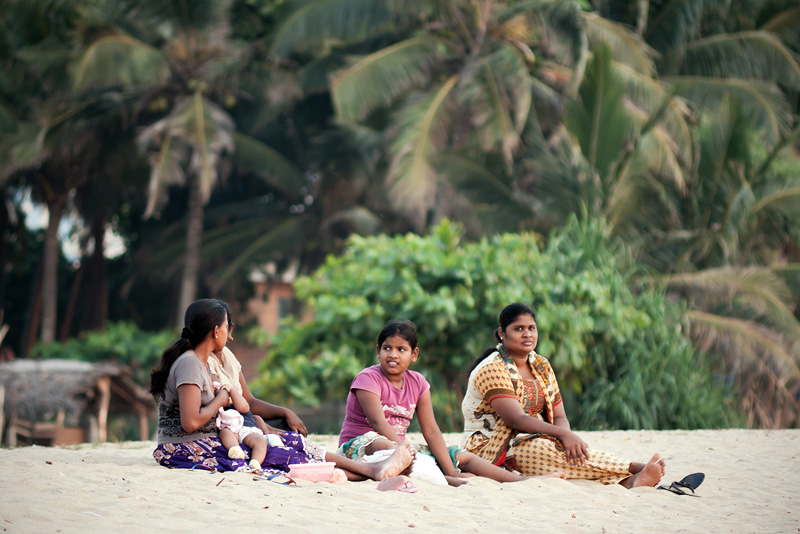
191	264
69	311
50	272
96	313
34	313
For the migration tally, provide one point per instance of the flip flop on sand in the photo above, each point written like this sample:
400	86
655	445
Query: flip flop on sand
282	479
399	484
689	482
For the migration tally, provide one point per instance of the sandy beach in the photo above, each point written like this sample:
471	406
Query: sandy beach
752	485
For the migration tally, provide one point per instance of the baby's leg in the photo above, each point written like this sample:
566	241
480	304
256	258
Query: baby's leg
230	440
258	443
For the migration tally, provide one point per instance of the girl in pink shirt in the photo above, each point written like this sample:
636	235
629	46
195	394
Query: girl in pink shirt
382	402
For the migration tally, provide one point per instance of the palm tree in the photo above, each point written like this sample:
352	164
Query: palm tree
181	67
36	151
451	83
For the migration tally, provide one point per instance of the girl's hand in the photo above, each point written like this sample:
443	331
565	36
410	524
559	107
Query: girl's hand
576	449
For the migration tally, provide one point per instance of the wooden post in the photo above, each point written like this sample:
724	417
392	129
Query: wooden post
143	424
104	385
2	410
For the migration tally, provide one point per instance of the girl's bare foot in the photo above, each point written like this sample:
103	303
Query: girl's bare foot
456	481
395	464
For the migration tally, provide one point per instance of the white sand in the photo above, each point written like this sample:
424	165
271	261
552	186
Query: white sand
752	485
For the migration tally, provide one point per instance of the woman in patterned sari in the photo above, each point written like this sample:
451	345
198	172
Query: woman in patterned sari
188	406
514	416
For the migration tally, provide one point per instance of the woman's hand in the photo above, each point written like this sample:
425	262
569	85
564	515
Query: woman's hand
295	423
272	430
224	394
576	449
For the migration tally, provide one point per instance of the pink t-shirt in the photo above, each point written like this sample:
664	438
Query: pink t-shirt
399	404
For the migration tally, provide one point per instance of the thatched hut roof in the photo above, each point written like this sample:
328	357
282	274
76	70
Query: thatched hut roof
39	389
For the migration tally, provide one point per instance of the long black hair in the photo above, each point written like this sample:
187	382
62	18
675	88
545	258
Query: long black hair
405	329
506	317
201	317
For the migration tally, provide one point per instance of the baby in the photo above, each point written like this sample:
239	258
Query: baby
232	430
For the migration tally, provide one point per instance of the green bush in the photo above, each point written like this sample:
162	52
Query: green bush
618	349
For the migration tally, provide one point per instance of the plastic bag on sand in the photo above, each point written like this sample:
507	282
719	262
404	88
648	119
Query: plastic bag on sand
423	468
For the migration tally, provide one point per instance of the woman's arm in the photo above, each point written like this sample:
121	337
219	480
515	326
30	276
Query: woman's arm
193	414
373	409
271	411
433	435
239	402
510	411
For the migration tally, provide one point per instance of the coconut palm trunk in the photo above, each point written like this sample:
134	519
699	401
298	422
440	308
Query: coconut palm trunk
50	272
191	259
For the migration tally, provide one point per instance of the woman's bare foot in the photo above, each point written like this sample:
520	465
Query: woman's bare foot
395	464
635	467
648	475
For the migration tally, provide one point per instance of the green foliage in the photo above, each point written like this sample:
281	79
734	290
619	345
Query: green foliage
121	342
621	356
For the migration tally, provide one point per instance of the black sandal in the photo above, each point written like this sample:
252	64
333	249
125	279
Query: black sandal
689	482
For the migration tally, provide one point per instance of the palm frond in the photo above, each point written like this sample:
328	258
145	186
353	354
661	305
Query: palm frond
755	55
653	163
660	107
785	23
598	119
787	201
420	130
379	78
288	233
498	98
480	186
318	20
166	168
626	47
357	220
210	133
273	167
767	104
194	135
740	338
756	288
120	60
26	148
676	23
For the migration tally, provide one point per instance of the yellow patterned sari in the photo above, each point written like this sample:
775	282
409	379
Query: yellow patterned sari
488	436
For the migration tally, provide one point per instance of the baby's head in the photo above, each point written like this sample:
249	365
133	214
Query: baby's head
404	329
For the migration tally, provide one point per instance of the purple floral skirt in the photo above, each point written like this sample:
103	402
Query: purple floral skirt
210	455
